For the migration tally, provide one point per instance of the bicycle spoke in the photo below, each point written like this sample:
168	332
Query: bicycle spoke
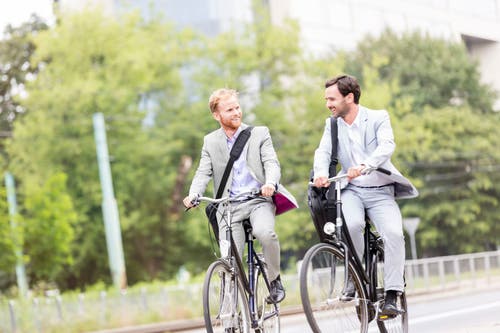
224	305
268	314
322	282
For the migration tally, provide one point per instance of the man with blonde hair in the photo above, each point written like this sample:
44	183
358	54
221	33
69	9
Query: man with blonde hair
256	167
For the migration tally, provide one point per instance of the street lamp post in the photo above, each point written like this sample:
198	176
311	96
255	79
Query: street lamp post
411	224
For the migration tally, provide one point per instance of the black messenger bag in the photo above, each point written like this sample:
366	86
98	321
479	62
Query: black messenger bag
323	210
234	154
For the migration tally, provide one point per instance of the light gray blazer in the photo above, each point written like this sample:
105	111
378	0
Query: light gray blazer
261	160
379	144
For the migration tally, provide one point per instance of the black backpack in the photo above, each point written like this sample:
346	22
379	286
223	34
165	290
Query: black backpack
322	209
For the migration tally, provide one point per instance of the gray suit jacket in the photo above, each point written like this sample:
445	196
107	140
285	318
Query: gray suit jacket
379	146
261	160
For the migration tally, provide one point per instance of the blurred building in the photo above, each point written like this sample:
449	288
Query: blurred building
328	25
208	16
340	24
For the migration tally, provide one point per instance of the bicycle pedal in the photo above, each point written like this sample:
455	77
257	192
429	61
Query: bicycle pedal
384	316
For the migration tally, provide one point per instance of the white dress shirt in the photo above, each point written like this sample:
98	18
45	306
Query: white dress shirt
359	155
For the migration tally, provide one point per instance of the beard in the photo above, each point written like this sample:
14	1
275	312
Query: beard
233	123
341	111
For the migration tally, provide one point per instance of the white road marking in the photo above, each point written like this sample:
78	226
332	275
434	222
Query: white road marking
466	309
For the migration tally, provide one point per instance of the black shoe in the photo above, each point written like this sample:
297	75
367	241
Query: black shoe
390	304
276	292
349	291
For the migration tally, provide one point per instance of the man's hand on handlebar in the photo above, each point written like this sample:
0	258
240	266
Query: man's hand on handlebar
190	201
321	181
355	171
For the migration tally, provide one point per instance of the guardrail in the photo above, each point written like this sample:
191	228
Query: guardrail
143	306
464	270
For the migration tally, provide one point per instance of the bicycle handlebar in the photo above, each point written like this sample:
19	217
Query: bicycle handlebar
249	194
365	171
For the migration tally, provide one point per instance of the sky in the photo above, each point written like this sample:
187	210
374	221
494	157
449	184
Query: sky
16	12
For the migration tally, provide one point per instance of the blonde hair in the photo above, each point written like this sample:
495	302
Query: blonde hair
213	101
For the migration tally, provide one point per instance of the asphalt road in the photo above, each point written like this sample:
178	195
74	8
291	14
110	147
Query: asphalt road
473	311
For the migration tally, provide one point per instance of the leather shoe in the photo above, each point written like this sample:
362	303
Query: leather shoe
276	292
349	291
390	304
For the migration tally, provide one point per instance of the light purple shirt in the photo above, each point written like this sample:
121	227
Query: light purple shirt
243	180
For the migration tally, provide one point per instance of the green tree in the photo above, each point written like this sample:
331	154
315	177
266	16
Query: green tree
7	259
16	50
121	67
49	229
449	153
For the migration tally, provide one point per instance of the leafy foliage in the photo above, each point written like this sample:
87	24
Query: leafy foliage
104	65
16	50
49	229
152	80
449	153
7	259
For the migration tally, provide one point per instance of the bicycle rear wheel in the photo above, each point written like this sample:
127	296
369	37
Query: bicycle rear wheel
268	314
225	308
322	281
399	323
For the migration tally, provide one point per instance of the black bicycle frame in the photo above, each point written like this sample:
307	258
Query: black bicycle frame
343	240
248	282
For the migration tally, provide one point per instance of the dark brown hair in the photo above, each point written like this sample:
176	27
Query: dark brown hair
346	84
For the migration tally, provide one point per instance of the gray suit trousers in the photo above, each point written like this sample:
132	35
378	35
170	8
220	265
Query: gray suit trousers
384	212
261	212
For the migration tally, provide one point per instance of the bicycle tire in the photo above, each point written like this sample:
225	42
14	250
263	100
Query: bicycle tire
321	284
398	324
221	290
268	314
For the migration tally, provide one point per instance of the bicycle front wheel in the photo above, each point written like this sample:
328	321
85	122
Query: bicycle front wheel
268	314
322	281
225	308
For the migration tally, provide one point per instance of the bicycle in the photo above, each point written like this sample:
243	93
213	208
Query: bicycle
325	271
233	301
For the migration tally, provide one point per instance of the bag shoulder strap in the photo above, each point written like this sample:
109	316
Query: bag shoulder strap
234	154
334	159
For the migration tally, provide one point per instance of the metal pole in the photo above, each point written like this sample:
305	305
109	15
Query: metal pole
18	246
411	225
109	206
413	246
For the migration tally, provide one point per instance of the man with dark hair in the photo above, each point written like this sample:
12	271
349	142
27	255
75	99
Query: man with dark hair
365	139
